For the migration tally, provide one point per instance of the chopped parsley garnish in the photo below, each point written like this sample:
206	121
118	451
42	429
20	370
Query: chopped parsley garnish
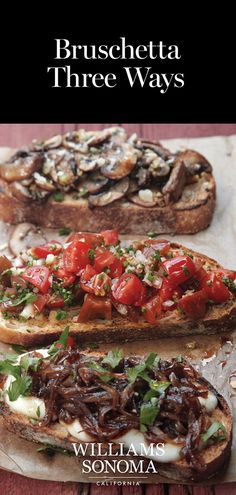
91	254
157	255
64	231
61	315
150	277
186	270
148	413
113	358
63	292
104	375
19	349
229	283
61	343
152	235
58	197
21	386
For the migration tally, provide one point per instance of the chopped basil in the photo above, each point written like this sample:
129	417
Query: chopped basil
21	386
152	360
51	450
7	368
38	411
157	255
64	231
61	315
27	298
156	389
139	370
150	277
58	197
113	358
212	430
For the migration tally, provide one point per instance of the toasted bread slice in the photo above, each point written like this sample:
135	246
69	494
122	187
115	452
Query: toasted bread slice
192	213
219	318
213	458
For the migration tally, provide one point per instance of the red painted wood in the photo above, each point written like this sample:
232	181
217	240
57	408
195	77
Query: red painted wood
105	490
14	484
19	134
229	489
154	489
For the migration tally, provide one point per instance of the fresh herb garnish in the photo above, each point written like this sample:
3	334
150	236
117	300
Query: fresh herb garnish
212	430
113	358
186	270
64	231
51	450
38	411
91	254
157	255
27	362
58	197
104	375
21	386
61	343
229	283
61	315
19	349
63	292
148	413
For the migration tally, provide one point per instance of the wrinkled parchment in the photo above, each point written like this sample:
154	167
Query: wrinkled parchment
214	356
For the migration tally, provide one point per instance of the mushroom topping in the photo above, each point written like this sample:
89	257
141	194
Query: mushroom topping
116	191
90	164
53	142
195	163
121	163
43	182
156	147
145	197
94	183
21	166
100	136
159	169
175	185
76	140
25	236
20	192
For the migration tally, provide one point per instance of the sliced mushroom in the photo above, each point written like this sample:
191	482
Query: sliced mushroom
25	236
94	183
164	153
99	137
160	170
121	163
21	166
117	191
176	183
90	164
43	182
76	140
20	192
142	175
195	163
53	142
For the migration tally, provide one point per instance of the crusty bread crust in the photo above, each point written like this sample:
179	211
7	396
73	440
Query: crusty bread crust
215	457
219	318
187	216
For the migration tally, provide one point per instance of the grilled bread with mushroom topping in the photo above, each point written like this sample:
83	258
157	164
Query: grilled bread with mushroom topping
84	179
109	291
165	409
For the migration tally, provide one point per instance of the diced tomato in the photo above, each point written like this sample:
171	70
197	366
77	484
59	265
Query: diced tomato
194	305
142	297
66	277
152	309
18	281
76	256
169	295
92	240
102	284
129	290
40	302
109	261
111	237
52	247
226	273
200	274
95	307
55	301
178	269
87	279
215	289
70	341
38	276
161	245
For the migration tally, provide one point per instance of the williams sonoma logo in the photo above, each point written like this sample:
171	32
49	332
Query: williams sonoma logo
127	464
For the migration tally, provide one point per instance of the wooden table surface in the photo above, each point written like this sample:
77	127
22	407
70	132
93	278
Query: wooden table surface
11	484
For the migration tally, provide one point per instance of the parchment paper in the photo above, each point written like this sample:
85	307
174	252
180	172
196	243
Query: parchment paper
214	356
